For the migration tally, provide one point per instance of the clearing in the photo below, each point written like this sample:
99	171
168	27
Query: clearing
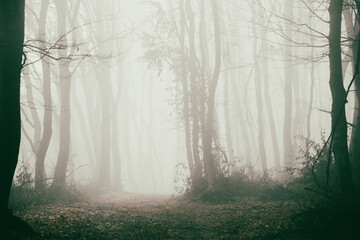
135	216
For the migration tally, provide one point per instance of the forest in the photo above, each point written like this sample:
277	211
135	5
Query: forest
179	119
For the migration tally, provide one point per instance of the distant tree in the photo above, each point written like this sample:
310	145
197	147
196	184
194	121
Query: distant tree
288	88
43	145
259	97
65	88
209	161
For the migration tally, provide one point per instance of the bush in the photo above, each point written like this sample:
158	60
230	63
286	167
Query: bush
310	168
23	191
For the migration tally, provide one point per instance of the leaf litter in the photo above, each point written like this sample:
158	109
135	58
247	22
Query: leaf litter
136	216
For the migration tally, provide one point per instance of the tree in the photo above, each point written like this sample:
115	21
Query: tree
209	161
194	93
259	100
47	118
338	117
65	87
11	50
353	32
288	89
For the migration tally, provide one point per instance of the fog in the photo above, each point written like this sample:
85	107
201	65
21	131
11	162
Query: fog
102	91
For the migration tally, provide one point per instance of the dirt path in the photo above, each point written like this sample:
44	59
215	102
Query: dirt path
132	216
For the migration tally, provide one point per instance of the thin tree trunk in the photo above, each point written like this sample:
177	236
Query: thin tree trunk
104	79
194	92
65	88
259	101
228	130
267	98
207	153
312	86
288	88
115	133
185	96
227	59
47	98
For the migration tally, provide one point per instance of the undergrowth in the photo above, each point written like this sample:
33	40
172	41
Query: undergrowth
23	192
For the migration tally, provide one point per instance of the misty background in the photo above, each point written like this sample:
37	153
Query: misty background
102	92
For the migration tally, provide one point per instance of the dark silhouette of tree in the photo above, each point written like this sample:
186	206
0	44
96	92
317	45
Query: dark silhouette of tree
11	40
338	117
11	52
355	136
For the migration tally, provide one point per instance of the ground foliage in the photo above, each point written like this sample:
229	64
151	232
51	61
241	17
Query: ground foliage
129	216
243	205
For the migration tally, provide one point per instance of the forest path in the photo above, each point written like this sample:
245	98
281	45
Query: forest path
135	216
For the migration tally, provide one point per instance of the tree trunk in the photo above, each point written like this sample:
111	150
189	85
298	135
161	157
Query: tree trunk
338	117
59	182
194	92
228	61
115	133
207	148
312	86
185	95
47	118
355	137
104	167
352	29
11	50
267	98
288	88
259	101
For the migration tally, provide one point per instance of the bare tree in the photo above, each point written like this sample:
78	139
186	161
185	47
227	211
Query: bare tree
338	118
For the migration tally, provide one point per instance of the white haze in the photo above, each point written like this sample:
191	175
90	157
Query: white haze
154	144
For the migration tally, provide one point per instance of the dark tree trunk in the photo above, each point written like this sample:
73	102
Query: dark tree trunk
11	50
355	138
352	29
338	117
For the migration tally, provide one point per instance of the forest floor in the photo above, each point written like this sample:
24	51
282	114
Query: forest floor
134	216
